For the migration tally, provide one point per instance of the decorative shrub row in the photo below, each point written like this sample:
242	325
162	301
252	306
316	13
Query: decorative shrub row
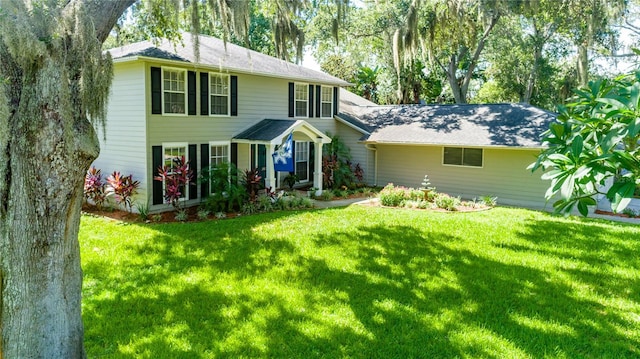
121	188
428	198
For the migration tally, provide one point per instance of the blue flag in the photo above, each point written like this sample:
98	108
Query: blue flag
283	156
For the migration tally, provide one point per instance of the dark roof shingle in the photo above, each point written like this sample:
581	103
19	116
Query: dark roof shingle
501	125
226	57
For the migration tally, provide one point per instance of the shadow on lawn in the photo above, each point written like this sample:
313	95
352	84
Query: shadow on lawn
409	293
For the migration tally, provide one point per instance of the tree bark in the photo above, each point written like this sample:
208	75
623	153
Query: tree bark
47	142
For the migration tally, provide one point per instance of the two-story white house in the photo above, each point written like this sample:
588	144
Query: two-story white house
229	104
236	105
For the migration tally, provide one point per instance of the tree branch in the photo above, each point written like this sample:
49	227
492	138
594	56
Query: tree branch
104	13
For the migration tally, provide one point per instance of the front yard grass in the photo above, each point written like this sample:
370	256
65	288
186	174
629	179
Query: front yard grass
363	283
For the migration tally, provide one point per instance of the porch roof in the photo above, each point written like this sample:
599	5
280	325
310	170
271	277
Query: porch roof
273	131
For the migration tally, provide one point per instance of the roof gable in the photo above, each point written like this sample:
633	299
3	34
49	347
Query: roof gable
224	56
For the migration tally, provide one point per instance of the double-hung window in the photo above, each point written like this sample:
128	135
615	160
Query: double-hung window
174	91
219	94
462	156
171	152
218	153
326	102
301	100
302	161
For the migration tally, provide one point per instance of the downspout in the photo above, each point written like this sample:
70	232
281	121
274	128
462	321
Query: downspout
373	148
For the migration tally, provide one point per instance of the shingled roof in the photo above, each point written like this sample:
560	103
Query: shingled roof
226	57
214	53
485	125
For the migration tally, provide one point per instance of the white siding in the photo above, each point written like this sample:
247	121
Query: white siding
123	145
503	174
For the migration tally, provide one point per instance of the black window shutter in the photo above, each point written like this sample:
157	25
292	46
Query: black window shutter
335	100
191	83
193	165
311	107
318	100
291	99
234	154
204	166
312	160
234	95
204	93
156	162
156	91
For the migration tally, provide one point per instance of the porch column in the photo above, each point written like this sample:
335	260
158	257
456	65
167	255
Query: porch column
317	171
270	180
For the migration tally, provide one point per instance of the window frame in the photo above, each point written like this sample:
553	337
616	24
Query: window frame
226	144
322	88
462	157
211	94
296	100
184	92
307	160
185	145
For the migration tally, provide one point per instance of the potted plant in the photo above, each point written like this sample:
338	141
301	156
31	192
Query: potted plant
291	179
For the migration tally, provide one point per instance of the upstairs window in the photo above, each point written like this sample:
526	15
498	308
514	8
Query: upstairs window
301	100
462	156
326	102
174	91
219	95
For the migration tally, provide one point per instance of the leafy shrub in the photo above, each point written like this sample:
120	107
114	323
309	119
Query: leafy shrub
447	202
392	196
181	215
123	188
250	208
221	215
327	195
291	179
431	196
143	211
176	178
336	165
203	213
265	203
253	183
94	188
157	217
630	212
489	201
226	193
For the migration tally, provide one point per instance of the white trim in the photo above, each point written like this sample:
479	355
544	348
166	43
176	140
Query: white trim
463	148
308	161
228	76
185	145
295	100
331	101
186	90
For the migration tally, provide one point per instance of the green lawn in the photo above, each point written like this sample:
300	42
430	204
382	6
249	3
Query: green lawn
363	283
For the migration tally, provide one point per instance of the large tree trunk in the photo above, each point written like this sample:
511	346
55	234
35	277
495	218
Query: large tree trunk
53	79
